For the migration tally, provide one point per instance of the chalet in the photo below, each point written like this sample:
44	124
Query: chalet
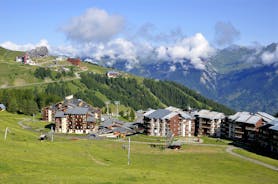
77	120
2	107
74	61
242	126
162	122
72	116
209	123
268	136
113	74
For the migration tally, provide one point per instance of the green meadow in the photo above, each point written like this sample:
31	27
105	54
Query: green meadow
24	159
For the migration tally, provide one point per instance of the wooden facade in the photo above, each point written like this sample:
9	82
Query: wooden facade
208	123
242	126
268	137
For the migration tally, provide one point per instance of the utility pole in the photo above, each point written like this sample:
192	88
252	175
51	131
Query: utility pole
6	132
107	107
117	106
128	153
52	134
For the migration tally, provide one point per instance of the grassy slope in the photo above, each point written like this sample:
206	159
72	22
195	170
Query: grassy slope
26	160
16	74
257	157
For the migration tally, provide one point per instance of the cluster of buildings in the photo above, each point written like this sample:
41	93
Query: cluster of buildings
25	59
259	129
76	116
72	116
175	121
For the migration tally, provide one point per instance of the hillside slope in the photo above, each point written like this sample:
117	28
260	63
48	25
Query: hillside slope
236	76
93	86
25	159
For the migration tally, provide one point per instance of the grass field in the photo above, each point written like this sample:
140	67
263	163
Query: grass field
24	159
264	159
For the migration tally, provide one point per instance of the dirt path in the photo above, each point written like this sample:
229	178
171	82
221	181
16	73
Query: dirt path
20	123
230	149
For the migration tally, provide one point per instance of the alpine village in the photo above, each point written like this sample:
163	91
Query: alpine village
131	104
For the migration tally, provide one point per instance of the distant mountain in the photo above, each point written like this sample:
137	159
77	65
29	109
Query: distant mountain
235	76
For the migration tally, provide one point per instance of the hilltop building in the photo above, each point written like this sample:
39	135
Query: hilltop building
74	61
113	74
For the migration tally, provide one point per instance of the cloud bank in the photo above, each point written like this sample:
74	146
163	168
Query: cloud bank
195	49
192	50
24	47
225	33
269	58
95	25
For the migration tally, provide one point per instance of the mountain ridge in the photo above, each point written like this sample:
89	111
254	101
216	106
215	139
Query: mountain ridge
243	66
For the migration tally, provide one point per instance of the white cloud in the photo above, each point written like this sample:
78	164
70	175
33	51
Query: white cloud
161	52
95	25
195	49
172	68
119	49
24	47
270	57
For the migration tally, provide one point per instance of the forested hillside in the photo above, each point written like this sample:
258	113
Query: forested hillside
49	83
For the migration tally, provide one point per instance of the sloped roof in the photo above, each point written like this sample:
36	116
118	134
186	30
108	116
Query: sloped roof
2	106
91	119
171	108
245	117
210	114
275	127
59	114
77	110
237	115
274	122
149	112
253	119
161	114
185	115
266	117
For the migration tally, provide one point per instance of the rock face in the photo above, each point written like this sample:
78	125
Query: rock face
38	52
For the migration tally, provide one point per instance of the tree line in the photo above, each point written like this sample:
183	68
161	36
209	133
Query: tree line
126	90
171	93
31	101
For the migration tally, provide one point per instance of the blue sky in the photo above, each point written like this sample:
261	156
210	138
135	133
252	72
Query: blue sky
28	21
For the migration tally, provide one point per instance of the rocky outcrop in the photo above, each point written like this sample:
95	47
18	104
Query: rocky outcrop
38	52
